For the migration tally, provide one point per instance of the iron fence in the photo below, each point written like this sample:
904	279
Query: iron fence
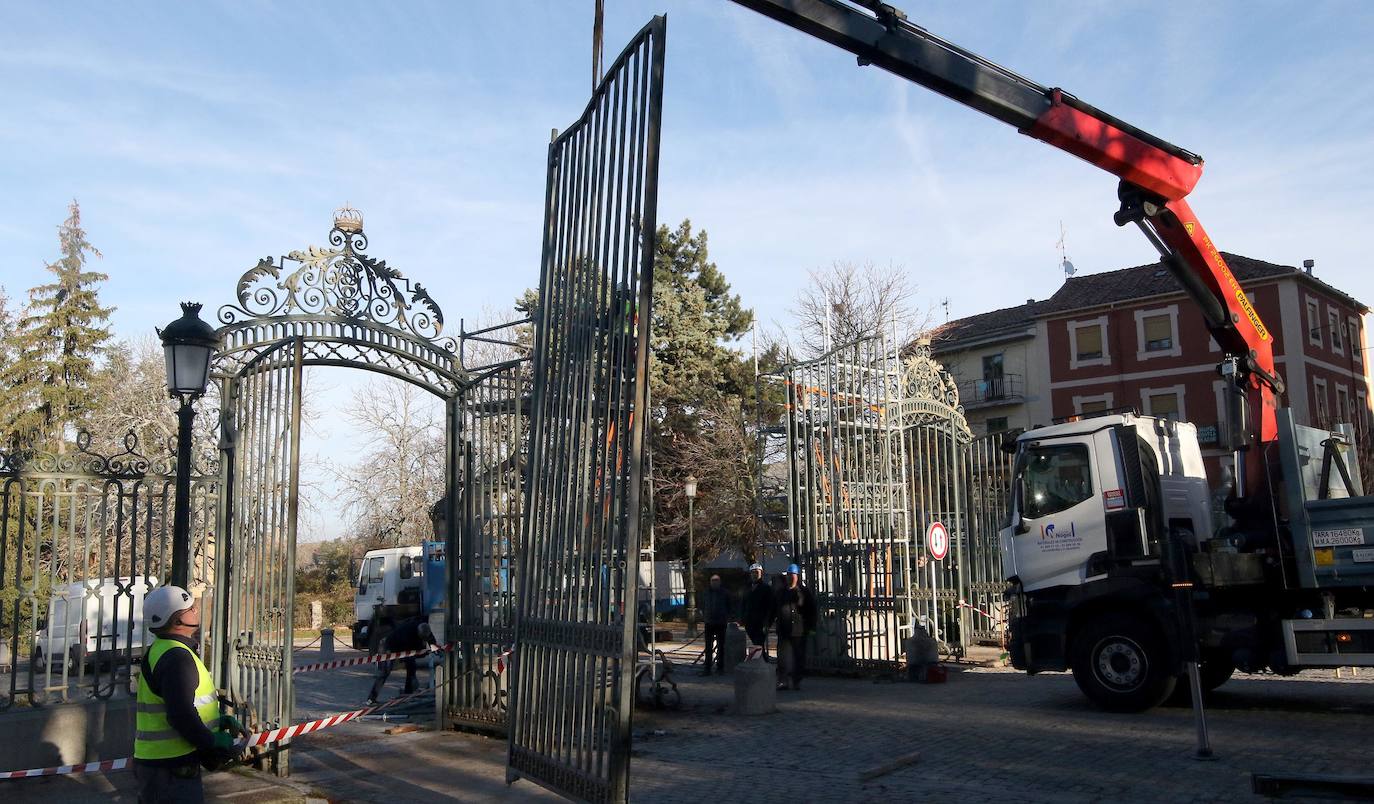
85	534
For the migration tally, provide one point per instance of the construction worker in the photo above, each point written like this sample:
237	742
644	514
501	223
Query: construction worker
758	609
795	612
177	707
409	635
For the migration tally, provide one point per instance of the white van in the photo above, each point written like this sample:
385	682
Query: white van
92	621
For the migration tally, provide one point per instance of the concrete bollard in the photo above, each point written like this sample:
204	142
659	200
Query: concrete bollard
756	691
326	644
734	646
921	652
316	614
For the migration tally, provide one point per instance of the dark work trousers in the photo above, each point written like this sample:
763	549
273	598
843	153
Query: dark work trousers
791	660
384	670
159	784
715	647
759	637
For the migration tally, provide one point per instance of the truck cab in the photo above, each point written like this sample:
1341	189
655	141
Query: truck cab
1121	564
390	587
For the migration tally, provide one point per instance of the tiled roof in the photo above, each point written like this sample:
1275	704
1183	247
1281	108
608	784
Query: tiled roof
1144	281
984	325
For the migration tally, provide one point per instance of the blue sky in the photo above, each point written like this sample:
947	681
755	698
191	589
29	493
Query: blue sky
200	137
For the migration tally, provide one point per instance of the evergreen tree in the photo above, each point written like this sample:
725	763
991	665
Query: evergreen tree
57	342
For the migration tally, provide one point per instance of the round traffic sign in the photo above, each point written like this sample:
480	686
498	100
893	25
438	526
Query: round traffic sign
937	539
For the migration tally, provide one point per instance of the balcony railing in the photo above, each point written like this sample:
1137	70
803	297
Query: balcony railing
1005	389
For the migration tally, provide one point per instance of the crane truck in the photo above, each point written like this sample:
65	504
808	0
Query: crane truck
1116	565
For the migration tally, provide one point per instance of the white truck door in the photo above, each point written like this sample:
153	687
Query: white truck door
1057	519
369	593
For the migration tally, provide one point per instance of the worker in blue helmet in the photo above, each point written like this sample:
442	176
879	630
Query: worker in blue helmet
795	614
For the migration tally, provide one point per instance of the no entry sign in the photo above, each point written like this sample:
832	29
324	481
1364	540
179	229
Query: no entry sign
937	539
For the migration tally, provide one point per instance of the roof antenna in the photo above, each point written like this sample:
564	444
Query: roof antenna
945	303
1064	263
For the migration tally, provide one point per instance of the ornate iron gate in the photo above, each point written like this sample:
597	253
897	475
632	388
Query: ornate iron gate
850	521
261	458
936	438
575	648
490	416
337	306
988	503
878	451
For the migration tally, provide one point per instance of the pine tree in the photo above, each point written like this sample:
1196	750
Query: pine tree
57	342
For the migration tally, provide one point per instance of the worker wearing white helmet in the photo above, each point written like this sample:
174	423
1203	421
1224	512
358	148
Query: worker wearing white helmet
758	609
177	704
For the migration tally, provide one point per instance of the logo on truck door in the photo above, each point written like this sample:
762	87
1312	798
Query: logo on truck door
1058	540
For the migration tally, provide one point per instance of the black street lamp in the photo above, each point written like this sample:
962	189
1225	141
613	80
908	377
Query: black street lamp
690	489
188	344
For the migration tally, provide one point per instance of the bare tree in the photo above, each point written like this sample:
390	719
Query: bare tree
400	475
848	301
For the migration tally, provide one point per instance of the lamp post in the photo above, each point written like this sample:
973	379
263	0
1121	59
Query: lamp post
690	489
187	343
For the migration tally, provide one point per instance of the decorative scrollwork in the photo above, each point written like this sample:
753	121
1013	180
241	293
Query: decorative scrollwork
925	378
338	281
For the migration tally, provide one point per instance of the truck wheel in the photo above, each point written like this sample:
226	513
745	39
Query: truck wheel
1215	670
1118	662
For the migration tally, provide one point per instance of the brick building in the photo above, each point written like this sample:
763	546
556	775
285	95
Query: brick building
1131	339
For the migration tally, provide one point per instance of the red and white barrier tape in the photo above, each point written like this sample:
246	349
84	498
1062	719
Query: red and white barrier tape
261	738
63	770
963	604
379	657
501	661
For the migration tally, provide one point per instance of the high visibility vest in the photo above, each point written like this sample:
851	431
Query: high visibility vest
154	737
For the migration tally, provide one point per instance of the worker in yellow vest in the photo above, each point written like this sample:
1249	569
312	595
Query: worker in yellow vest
177	704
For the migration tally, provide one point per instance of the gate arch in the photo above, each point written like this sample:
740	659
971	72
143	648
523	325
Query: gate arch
323	306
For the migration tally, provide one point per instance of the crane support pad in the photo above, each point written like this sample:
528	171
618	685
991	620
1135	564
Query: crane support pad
1357	788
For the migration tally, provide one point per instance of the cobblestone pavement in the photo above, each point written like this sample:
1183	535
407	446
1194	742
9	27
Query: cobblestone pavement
991	733
986	734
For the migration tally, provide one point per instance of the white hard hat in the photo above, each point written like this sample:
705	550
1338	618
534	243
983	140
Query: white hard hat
756	566
162	603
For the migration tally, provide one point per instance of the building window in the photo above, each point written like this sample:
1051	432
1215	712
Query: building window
1092	404
1159	335
1165	403
1157	332
1356	342
1343	404
997	424
1314	321
1361	412
1319	405
1334	320
1088	343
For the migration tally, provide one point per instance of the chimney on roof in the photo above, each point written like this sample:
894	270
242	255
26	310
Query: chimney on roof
1308	265
1030	301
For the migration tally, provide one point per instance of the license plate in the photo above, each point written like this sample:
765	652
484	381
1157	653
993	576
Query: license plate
1362	556
1337	538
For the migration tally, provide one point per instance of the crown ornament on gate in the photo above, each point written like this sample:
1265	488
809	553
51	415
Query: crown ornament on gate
338	282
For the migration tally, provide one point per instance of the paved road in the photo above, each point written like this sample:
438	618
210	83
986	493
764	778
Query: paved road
999	734
987	734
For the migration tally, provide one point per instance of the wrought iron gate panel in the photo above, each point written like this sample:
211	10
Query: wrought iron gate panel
575	652
490	416
989	493
261	458
85	533
851	530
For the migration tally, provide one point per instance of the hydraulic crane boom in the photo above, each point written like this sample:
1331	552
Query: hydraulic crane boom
1155	177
